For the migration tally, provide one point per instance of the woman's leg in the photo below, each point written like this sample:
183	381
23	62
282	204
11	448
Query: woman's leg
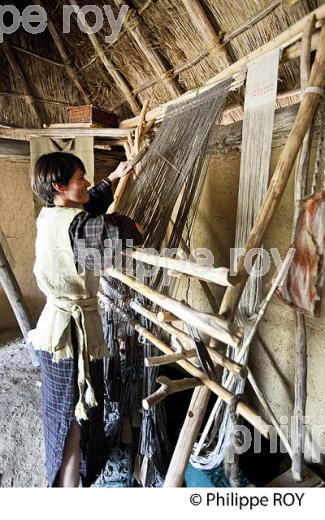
69	471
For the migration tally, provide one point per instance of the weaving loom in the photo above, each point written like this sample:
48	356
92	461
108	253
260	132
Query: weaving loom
254	173
175	163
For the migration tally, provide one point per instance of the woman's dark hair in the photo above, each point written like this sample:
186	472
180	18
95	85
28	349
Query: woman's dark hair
56	167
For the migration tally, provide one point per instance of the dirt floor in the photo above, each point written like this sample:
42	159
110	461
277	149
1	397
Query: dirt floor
21	436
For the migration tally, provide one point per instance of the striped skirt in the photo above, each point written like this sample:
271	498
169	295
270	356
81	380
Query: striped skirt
60	396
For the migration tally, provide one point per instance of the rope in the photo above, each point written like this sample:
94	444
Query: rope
314	90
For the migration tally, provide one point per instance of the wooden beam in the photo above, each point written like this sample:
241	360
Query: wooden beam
18	71
206	30
37	56
151	54
16	300
248	24
287	38
301	175
66	61
25	134
228	138
110	67
38	99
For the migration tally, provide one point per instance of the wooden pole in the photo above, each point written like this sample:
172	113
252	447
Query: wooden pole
218	275
25	134
16	300
188	343
66	61
281	174
206	30
151	54
166	316
244	348
168	387
187	437
18	71
111	69
269	413
168	359
298	434
245	410
248	24
213	326
132	149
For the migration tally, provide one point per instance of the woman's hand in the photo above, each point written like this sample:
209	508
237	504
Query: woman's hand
123	169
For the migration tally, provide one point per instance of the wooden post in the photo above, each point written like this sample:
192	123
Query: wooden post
18	71
187	437
111	69
15	297
298	436
282	172
65	59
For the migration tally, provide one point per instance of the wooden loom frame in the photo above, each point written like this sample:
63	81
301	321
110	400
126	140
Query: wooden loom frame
280	178
287	38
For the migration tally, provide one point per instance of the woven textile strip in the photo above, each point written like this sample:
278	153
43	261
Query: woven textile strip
259	108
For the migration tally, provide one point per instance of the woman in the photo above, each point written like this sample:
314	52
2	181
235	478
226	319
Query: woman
73	233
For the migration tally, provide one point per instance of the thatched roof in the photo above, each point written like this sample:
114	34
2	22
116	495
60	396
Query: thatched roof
173	56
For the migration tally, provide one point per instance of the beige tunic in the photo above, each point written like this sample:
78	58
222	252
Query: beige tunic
70	295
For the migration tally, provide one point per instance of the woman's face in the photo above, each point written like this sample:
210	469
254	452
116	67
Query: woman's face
76	191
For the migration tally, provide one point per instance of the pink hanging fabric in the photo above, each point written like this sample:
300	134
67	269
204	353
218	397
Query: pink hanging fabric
303	287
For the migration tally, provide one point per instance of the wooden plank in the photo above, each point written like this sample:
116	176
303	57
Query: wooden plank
228	138
310	479
25	134
11	147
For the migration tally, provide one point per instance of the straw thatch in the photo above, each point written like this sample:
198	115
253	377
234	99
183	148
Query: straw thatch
165	25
